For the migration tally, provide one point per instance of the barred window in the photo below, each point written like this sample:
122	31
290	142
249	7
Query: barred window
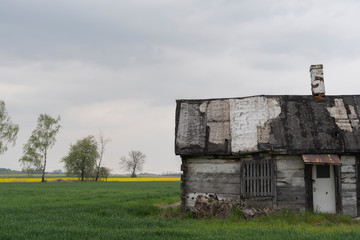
257	178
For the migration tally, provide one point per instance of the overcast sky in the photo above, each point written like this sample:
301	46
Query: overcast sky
119	65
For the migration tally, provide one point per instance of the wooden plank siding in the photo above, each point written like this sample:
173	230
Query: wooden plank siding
202	176
290	183
357	163
224	178
348	185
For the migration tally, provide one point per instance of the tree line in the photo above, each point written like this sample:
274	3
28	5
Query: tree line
84	158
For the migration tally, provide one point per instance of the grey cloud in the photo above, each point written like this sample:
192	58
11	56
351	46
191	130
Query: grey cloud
83	30
84	53
111	32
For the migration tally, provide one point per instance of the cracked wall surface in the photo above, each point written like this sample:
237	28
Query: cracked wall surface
246	116
287	124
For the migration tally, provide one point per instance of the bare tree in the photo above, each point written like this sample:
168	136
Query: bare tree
134	162
102	142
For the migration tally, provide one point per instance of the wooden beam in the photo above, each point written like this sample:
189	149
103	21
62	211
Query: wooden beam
309	187
338	197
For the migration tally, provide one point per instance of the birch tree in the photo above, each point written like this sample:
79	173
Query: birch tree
102	142
8	130
43	138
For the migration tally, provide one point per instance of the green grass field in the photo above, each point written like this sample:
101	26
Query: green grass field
127	210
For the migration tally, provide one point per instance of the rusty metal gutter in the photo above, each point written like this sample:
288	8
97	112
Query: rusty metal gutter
321	159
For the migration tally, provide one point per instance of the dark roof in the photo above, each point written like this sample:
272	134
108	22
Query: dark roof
283	124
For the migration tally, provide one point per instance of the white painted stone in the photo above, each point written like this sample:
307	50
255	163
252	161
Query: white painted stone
218	120
203	107
353	118
264	133
352	112
219	131
181	137
190	129
342	119
190	198
218	111
246	115
315	74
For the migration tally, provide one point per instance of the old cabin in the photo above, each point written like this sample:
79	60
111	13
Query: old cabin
296	152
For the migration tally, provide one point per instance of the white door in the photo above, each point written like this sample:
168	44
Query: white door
324	188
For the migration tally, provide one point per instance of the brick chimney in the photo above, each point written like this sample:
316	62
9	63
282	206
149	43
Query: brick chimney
317	81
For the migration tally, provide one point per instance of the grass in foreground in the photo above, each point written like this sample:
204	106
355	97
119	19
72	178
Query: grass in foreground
126	210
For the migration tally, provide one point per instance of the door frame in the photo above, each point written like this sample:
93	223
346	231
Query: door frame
309	188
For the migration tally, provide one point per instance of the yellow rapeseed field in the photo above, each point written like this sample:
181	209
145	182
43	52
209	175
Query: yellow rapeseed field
29	179
164	179
24	179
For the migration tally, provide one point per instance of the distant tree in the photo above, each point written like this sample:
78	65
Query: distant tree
29	170
8	171
104	173
133	163
8	130
57	171
102	142
35	151
81	159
